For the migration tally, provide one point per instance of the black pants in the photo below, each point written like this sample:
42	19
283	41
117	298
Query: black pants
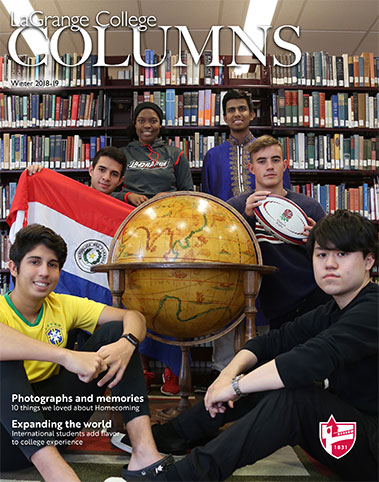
15	381
268	421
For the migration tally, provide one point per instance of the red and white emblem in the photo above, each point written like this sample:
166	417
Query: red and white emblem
337	438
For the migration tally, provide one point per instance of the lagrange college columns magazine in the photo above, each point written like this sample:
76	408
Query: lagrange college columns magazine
60	105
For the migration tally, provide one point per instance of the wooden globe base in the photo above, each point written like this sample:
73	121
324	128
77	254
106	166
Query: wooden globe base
252	281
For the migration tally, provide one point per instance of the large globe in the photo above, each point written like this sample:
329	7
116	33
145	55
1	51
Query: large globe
185	228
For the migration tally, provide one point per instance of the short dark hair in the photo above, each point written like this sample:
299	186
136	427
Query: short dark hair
236	94
114	153
262	142
33	235
346	231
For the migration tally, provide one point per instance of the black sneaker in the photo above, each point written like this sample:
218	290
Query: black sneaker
167	442
156	471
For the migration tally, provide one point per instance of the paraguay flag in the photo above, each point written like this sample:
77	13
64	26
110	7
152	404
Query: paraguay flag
85	218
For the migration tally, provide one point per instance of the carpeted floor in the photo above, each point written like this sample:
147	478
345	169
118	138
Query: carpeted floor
286	465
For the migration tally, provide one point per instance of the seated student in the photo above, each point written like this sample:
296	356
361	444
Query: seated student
272	389
35	363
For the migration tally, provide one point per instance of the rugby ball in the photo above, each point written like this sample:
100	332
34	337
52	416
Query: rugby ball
283	218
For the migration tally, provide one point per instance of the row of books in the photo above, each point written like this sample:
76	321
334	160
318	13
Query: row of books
193	108
363	200
165	72
311	151
317	109
303	151
50	75
323	69
196	146
17	151
313	69
51	110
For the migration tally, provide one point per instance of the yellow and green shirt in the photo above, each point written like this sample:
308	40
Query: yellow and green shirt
58	315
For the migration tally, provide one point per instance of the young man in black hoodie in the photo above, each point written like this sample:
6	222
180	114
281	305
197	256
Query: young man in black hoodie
282	386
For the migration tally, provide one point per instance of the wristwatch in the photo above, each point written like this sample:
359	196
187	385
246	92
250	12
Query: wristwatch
236	386
132	339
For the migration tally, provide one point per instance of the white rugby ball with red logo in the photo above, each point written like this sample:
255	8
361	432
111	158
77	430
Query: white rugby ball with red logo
283	218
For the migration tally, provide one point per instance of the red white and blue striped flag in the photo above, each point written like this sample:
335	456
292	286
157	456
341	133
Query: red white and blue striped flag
85	218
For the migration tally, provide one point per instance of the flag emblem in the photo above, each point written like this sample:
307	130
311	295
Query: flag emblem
91	253
337	438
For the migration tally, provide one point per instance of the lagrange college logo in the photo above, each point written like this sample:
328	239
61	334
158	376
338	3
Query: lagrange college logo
91	253
337	438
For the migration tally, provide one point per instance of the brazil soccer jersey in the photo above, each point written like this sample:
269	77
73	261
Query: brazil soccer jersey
58	315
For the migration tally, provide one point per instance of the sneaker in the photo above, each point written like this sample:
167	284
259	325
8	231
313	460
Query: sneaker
166	439
156	471
149	377
170	383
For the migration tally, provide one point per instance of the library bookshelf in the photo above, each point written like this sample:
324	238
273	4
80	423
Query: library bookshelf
325	116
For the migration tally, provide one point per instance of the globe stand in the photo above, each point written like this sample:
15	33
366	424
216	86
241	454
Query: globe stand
251	283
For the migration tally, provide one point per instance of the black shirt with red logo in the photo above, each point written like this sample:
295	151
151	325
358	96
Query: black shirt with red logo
156	168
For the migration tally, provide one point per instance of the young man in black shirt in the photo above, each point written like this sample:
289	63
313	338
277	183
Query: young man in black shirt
323	364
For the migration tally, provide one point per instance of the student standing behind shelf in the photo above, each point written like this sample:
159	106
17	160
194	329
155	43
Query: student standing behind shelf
225	173
283	385
152	166
36	363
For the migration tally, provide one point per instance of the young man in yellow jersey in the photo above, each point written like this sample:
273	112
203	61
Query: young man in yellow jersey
43	376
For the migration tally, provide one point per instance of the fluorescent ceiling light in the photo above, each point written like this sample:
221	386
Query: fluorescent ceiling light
259	13
32	36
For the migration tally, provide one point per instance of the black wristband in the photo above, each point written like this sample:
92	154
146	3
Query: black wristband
132	339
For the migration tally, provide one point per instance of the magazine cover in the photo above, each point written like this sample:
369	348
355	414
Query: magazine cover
151	153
